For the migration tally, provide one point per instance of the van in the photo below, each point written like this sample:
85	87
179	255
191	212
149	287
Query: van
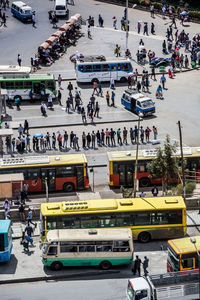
61	8
138	103
21	11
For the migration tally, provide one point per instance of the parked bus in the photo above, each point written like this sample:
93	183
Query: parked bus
14	70
62	172
20	86
122	166
88	247
6	243
148	218
182	254
98	68
21	11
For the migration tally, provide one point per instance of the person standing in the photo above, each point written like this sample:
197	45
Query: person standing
145	265
142	134
107	137
115	23
137	266
100	91
65	139
145	28
93	135
53	140
70	88
71	138
19	60
30	218
147	134
138	27
162	81
155	132
112	137
89	32
83	140
95	85
154	191
108	98
112	98
22	212
102	137
88	140
33	20
26	126
152	10
125	132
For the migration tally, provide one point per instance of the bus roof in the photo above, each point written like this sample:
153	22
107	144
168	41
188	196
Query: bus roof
149	154
16	162
89	234
108	60
4	226
27	77
14	69
21	4
106	205
184	245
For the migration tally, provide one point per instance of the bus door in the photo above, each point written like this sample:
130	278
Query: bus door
133	104
80	177
36	88
187	263
125	174
50	176
113	71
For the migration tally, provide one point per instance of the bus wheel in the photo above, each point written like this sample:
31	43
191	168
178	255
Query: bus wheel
105	265
144	182
123	79
56	266
144	237
68	187
17	96
95	79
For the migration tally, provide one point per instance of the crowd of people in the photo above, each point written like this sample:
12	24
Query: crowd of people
64	140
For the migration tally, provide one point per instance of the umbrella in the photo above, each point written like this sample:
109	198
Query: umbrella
184	13
131	74
38	135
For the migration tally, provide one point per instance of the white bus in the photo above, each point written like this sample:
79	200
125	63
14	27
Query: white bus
88	247
14	70
98	68
61	8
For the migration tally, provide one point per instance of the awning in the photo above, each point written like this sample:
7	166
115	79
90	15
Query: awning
44	46
78	16
65	27
52	40
57	33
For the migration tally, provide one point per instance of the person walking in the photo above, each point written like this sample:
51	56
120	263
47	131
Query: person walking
30	218
59	81
26	126
95	86
115	23
21	212
145	29
59	97
145	265
33	20
70	88
138	27
89	32
19	60
137	266
97	109
100	91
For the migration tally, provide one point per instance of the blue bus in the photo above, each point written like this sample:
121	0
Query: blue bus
6	243
138	103
21	11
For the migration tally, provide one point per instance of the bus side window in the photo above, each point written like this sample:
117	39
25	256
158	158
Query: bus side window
138	103
96	68
105	67
80	69
10	85
113	67
52	250
119	67
19	85
88	68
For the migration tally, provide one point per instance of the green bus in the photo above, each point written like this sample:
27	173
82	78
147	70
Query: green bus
21	85
88	247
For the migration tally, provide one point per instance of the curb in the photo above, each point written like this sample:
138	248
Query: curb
78	124
56	277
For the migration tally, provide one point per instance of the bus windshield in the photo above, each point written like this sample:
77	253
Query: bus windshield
173	259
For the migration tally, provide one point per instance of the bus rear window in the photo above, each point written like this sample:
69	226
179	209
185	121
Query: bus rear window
60	7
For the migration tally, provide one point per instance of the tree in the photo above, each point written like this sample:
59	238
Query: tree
165	165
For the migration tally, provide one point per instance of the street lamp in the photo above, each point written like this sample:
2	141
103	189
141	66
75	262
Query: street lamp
126	25
136	160
193	241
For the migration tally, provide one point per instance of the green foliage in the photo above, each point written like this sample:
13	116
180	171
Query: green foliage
126	193
189	188
165	165
195	14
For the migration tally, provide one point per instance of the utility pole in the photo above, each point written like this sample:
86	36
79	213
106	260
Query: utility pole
47	190
136	162
126	25
182	159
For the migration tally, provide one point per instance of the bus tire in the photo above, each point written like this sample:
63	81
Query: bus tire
105	265
95	79
123	79
144	182
144	237
68	187
17	96
56	266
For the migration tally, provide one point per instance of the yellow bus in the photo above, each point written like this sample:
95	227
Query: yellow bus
62	172
148	218
122	166
88	247
182	254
